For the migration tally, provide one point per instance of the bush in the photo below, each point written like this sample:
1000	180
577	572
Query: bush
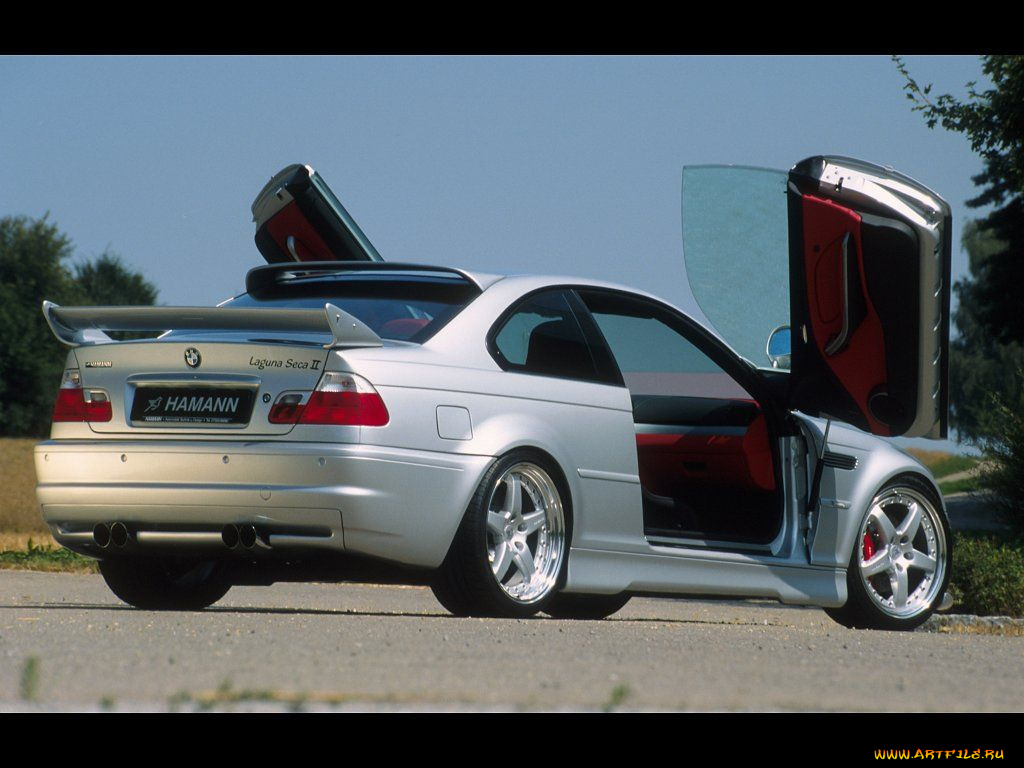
988	575
1004	449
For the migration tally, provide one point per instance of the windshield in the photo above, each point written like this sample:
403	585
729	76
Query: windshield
401	310
736	250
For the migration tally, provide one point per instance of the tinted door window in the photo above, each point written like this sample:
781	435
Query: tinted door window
736	249
654	357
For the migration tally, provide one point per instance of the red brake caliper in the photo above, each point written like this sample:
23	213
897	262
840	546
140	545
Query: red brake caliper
869	546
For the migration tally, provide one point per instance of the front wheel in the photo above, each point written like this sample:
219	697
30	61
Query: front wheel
901	560
165	584
509	553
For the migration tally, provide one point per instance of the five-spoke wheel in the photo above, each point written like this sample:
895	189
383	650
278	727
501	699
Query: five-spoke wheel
525	533
508	555
900	564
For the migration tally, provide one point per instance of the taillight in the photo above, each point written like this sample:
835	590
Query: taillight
342	399
287	409
77	404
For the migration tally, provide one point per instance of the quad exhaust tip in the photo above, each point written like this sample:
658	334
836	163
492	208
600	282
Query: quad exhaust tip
101	535
118	534
110	534
235	535
230	536
247	536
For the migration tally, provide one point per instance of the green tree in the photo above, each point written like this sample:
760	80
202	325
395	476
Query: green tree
987	358
32	256
33	266
993	121
106	281
981	367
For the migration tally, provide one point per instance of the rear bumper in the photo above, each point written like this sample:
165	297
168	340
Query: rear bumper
400	505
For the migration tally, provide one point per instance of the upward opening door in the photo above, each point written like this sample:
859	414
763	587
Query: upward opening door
855	258
869	254
298	218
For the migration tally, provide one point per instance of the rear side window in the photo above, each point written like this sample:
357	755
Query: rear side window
404	309
543	336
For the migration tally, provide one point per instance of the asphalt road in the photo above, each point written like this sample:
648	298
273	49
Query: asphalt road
66	643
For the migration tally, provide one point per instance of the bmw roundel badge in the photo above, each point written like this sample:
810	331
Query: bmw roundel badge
192	357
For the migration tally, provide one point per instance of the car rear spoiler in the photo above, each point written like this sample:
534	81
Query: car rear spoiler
78	326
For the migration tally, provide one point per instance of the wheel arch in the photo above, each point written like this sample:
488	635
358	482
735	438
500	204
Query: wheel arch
879	482
878	464
505	434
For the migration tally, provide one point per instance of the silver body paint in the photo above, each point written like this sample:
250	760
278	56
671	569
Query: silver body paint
398	492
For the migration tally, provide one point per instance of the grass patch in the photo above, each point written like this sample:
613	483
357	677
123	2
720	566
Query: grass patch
43	557
988	574
617	696
19	510
963	485
29	683
941	463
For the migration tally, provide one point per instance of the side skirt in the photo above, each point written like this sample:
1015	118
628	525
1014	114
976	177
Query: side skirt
721	575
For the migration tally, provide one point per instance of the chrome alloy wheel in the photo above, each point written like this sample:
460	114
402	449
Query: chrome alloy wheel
903	552
525	533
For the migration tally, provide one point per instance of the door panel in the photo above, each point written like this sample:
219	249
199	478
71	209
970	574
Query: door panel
298	218
843	323
869	285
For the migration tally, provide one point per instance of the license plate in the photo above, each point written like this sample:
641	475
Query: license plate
195	405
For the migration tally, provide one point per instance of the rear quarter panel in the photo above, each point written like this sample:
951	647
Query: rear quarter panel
586	428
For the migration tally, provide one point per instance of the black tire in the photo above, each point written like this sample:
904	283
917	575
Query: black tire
868	595
165	584
585	607
466	584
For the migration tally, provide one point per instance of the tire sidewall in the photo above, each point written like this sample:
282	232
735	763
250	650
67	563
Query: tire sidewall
476	516
861	609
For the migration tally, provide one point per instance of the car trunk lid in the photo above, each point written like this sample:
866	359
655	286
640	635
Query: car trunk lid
218	371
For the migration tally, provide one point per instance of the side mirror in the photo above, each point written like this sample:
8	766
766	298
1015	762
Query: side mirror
779	348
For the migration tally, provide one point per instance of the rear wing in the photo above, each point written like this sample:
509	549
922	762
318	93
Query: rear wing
79	326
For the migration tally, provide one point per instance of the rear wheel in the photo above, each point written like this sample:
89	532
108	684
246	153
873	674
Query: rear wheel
563	606
166	584
509	553
901	560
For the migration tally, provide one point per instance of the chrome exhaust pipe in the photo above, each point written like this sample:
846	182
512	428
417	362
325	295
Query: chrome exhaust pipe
118	534
101	535
247	536
230	536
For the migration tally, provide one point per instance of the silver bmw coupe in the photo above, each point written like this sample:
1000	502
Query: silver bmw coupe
530	444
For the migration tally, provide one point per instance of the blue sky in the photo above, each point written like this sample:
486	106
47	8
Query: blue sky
567	165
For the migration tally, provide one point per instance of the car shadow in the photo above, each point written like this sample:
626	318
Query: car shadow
226	609
271	611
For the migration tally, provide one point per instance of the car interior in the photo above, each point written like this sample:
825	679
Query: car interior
706	468
703	446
